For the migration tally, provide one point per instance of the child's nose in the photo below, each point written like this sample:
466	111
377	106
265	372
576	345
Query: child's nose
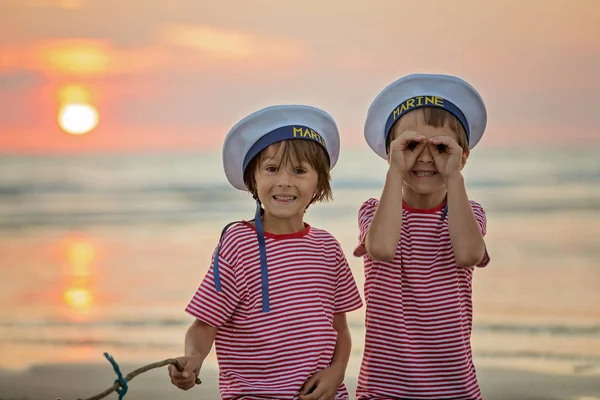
284	178
425	156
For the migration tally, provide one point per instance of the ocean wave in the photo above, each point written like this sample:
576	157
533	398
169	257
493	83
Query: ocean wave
42	188
553	330
134	343
536	355
539	329
116	323
220	210
28	189
74	219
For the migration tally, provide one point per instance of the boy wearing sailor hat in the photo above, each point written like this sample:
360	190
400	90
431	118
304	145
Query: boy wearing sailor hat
420	241
275	297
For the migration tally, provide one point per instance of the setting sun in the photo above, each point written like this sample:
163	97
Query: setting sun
77	119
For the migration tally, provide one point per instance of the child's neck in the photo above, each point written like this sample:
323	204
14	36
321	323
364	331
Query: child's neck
423	201
281	226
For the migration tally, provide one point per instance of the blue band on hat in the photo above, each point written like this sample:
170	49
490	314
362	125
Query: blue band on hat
280	134
426	101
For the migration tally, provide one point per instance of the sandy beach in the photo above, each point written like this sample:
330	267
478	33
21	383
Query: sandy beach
81	381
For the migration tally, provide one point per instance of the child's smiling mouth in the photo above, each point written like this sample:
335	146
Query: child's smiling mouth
284	199
424	174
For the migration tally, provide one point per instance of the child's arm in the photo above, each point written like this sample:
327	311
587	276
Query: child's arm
325	383
383	236
343	345
210	309
198	342
466	237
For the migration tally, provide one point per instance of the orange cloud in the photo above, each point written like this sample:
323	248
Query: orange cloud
64	4
231	45
80	58
214	50
76	57
85	57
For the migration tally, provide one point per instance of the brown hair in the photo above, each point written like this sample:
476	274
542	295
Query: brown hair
294	152
439	118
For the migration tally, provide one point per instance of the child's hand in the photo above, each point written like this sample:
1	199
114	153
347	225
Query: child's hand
404	151
447	155
186	379
323	385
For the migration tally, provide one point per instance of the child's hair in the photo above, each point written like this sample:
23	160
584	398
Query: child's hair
294	152
438	118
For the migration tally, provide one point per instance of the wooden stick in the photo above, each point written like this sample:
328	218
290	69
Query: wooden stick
138	371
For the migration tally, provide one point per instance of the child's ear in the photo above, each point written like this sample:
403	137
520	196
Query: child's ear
465	156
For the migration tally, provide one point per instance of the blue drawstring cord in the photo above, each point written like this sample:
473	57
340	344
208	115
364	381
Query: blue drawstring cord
122	391
262	248
444	213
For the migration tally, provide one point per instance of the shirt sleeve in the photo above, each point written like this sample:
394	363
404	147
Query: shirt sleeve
481	218
365	218
212	307
347	296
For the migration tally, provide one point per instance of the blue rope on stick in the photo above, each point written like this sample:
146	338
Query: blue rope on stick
122	381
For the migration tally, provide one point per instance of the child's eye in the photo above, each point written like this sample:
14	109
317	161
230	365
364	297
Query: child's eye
441	148
271	169
299	171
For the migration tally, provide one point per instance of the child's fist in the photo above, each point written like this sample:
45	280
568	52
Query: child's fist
188	377
404	151
447	155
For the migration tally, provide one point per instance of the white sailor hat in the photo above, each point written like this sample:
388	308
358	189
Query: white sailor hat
273	124
425	90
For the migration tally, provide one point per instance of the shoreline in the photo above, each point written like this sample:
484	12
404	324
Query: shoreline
81	381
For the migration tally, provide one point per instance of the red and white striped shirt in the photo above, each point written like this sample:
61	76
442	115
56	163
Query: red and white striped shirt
419	312
271	355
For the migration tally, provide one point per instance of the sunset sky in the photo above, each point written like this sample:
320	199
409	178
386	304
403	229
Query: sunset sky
177	74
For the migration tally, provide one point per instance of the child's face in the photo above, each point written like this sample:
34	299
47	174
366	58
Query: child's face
424	178
284	188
